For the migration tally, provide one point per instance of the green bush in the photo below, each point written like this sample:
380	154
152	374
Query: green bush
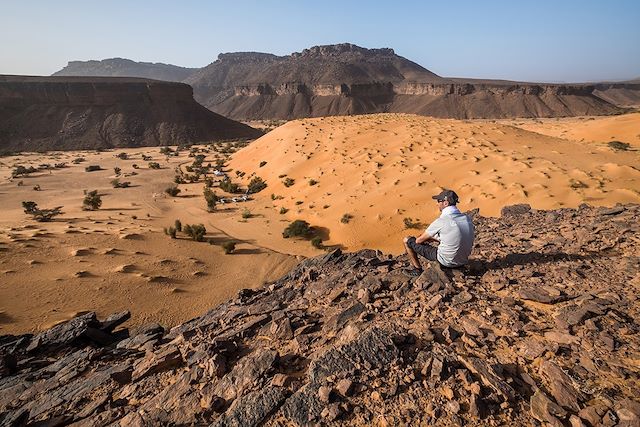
195	231
346	218
117	170
256	185
283	210
312	182
289	182
262	163
122	156
316	242
170	231
408	223
40	215
211	198
619	145
92	168
116	183
297	228
92	201
178	225
172	190
154	165
246	214
229	247
228	186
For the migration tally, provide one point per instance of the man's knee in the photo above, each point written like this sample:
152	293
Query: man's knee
406	239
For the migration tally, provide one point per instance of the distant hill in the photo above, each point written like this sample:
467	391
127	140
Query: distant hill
119	67
71	113
346	79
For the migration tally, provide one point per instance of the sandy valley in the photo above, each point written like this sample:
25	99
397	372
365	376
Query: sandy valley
362	181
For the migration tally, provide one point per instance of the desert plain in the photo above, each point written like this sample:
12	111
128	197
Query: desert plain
360	181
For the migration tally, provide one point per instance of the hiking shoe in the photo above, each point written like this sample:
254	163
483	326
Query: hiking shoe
412	272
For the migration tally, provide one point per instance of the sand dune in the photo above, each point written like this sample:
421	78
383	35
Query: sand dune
382	169
624	128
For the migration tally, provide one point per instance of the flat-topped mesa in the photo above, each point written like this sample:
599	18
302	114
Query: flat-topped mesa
71	113
537	327
342	49
247	56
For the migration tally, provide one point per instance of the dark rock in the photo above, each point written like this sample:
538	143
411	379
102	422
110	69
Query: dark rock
545	410
561	386
515	210
488	376
167	358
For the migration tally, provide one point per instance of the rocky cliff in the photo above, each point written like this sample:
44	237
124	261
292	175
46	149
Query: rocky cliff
71	113
541	327
120	67
347	79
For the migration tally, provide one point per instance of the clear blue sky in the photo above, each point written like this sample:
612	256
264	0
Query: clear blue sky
570	41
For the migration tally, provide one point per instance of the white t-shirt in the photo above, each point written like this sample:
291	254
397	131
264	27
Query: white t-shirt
455	232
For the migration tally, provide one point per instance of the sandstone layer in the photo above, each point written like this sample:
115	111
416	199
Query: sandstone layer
346	79
541	327
72	113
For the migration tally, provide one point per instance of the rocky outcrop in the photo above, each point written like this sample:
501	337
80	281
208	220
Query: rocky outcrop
120	67
347	79
71	113
541	327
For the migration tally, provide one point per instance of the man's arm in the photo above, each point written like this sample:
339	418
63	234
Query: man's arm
425	237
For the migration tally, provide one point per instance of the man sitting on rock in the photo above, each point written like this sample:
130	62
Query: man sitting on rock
453	233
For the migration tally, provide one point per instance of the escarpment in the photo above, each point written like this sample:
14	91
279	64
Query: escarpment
541	327
71	113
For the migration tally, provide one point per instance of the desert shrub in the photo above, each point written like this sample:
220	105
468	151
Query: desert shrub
172	190
283	210
122	156
78	160
282	176
36	187
116	183
208	182
229	247
299	202
346	218
146	158
256	185
619	145
21	170
178	179
117	170
228	186
166	150
92	201
40	215
275	197
288	182
195	231
576	184
20	183
262	163
246	213
178	225
60	165
154	165
170	231
92	168
408	223
316	242
298	228
188	168
211	198
312	182
135	166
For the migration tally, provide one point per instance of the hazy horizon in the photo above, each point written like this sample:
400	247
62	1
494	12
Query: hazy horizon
545	41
